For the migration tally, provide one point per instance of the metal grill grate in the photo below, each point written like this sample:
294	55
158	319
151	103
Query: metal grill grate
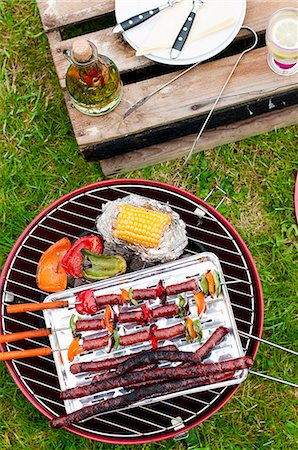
75	214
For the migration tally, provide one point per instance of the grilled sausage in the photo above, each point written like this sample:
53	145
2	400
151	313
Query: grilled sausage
109	363
88	325
91	344
152	357
138	394
175	289
134	338
109	299
163	373
144	294
154	313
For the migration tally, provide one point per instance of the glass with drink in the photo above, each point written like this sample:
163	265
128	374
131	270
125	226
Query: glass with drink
282	41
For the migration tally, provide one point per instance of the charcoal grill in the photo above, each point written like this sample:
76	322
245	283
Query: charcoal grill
74	215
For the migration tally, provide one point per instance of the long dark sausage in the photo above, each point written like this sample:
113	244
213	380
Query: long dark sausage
163	373
109	363
154	357
123	401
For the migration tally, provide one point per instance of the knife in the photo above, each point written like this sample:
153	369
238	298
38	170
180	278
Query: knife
184	32
142	17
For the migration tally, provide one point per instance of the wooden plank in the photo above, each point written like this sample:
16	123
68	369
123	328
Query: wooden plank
113	45
179	148
253	79
179	129
59	13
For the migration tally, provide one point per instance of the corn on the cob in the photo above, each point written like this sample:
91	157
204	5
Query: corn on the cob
140	225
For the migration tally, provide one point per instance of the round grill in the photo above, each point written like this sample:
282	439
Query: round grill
75	214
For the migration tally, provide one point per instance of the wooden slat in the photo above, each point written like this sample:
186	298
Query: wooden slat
58	13
253	79
179	148
113	45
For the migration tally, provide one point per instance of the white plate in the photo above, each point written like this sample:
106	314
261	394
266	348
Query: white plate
194	52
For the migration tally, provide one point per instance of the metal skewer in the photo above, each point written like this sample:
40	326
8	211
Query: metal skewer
222	89
280	347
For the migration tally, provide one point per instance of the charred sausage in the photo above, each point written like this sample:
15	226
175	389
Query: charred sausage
109	363
163	373
138	394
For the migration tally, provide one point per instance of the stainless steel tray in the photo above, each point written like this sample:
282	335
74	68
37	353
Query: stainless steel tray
219	312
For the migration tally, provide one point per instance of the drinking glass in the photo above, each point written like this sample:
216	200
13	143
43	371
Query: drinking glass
282	41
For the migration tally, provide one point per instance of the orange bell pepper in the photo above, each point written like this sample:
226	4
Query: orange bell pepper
211	284
74	349
50	276
124	296
108	318
200	302
189	328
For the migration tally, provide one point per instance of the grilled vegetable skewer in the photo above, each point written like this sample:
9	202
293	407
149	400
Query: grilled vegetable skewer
102	300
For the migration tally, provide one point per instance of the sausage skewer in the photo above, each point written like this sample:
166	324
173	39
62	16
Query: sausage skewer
95	303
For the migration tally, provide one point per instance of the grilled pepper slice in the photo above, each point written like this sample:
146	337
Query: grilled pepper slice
211	283
99	267
216	283
50	276
200	302
204	284
72	260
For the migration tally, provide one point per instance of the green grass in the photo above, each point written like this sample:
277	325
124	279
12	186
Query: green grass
40	161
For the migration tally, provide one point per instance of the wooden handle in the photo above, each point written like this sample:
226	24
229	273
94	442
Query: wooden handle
24	335
25	307
17	354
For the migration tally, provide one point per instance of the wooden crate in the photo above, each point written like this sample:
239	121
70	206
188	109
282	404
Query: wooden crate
255	101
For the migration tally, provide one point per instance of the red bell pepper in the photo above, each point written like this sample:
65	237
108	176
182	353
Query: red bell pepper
72	260
86	303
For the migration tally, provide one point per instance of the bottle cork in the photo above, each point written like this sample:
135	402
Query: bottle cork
81	50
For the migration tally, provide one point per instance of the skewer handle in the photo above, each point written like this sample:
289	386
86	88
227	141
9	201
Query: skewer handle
25	307
18	354
12	337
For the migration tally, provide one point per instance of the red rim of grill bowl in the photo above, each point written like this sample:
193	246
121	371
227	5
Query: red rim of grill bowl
197	200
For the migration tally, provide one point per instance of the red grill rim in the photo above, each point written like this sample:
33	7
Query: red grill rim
192	197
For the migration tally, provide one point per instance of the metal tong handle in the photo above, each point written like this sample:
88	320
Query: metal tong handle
280	347
222	90
242	333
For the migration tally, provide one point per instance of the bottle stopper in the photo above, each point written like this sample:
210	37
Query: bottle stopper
81	50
